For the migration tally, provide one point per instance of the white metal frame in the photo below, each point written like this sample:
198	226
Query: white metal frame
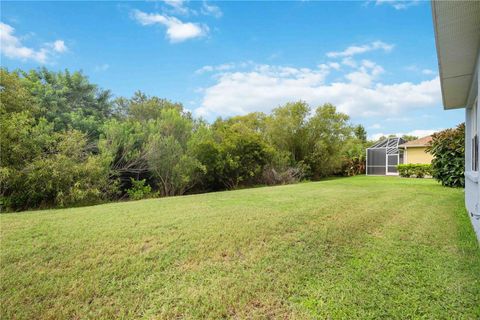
391	149
387	165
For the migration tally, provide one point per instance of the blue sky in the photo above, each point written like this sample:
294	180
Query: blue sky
375	60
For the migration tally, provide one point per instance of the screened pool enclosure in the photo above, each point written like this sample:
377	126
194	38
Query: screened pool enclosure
384	156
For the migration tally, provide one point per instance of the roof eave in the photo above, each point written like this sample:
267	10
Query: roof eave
437	47
465	76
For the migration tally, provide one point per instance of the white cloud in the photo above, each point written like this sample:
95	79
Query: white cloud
412	67
59	46
354	50
359	93
334	65
274	55
177	31
375	126
349	62
259	89
417	133
223	67
212	10
11	46
416	69
178	7
102	67
398	4
365	74
428	72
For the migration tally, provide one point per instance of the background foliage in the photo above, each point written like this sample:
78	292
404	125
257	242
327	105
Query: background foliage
65	142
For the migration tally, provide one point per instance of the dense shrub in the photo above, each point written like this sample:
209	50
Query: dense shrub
353	158
417	170
62	172
241	155
448	150
139	190
352	166
173	168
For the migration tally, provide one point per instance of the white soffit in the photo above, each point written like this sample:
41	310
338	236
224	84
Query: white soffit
457	35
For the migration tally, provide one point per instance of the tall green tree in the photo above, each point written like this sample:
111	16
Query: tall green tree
407	137
172	165
124	143
328	130
287	129
169	153
69	100
15	95
360	133
141	107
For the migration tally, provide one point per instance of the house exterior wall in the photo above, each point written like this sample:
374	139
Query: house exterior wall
417	155
472	185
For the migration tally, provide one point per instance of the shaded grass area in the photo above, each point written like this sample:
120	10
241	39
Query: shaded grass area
362	247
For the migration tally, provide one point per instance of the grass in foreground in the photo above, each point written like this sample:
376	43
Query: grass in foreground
363	247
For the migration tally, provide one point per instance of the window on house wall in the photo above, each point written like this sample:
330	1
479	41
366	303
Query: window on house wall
475	136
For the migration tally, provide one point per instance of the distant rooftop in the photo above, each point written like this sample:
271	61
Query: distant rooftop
422	142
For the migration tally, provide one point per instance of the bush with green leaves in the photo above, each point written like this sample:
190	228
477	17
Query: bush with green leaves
233	155
448	150
139	190
418	170
60	171
353	157
172	165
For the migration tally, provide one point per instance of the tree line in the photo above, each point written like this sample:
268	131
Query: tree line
65	142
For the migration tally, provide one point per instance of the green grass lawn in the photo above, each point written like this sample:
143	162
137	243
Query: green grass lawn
362	247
